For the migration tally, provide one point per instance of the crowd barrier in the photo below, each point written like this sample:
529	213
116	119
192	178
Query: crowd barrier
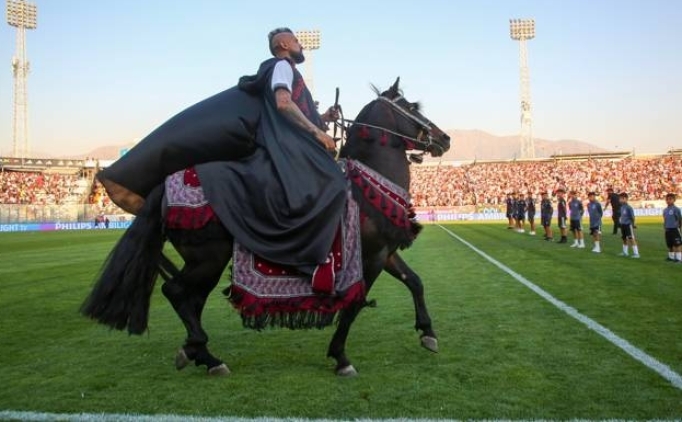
449	215
48	227
27	218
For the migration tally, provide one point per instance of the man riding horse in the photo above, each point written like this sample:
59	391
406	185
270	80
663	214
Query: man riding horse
275	190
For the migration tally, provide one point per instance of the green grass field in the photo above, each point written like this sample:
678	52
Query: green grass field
506	353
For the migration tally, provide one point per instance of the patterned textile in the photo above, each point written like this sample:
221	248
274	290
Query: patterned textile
187	209
265	293
385	202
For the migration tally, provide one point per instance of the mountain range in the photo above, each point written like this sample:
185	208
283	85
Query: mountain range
466	145
469	145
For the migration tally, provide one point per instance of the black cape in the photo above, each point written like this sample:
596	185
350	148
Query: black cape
221	127
286	200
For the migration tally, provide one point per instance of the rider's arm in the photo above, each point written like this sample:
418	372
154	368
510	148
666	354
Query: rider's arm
282	80
290	110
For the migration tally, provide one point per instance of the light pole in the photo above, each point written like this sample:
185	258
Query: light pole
522	30
22	16
310	40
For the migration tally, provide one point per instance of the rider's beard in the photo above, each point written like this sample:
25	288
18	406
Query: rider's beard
297	56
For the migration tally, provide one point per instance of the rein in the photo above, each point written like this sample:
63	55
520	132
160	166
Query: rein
417	143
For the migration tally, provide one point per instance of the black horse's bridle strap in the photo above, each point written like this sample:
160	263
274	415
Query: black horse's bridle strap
425	126
392	132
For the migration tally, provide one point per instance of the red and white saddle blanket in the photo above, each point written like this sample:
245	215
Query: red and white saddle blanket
268	294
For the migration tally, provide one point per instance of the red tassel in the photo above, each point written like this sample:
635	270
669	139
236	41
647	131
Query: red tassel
384	139
363	133
190	178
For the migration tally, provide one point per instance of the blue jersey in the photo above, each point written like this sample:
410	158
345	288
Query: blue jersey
530	205
520	207
576	207
510	205
546	208
561	208
672	217
627	215
594	210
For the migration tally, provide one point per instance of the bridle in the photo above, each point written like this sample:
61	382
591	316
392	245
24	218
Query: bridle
424	141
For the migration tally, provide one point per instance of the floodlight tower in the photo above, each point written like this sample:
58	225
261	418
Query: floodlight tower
22	16
310	40
522	30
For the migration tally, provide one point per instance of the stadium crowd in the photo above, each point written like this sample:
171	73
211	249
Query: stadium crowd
488	183
37	188
485	184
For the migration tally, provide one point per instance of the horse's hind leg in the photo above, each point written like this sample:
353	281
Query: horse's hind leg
187	292
402	272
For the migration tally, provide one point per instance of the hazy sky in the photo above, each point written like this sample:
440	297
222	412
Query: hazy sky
104	72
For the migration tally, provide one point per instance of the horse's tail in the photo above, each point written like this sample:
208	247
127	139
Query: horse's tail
121	295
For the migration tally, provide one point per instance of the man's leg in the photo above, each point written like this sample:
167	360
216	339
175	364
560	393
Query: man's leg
126	199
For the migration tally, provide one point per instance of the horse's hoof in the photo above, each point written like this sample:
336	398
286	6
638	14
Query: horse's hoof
220	370
181	359
430	343
347	371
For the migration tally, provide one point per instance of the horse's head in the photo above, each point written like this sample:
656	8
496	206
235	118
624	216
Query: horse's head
401	119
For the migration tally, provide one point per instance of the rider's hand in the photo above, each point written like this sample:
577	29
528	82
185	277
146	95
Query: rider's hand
331	115
326	140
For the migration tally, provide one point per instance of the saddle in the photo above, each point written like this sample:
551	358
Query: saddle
268	294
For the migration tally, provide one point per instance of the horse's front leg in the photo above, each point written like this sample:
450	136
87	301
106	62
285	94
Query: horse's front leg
372	267
402	272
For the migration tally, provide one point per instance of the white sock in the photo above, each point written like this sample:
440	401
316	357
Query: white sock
625	249
671	255
635	250
678	256
596	244
581	242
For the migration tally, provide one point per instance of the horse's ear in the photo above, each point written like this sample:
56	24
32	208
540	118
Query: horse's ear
395	88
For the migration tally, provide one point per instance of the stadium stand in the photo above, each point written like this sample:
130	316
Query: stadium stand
487	183
68	190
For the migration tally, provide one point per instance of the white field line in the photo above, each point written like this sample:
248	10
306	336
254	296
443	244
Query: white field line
647	360
127	417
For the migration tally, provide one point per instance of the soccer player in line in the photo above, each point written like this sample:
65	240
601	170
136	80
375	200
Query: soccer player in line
594	210
562	213
672	222
627	226
510	211
577	211
520	211
546	211
530	206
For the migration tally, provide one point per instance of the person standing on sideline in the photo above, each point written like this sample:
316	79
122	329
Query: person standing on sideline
627	226
672	222
575	205
546	211
530	208
510	211
520	212
562	213
594	210
613	199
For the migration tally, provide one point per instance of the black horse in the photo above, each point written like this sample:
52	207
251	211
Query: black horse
380	137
